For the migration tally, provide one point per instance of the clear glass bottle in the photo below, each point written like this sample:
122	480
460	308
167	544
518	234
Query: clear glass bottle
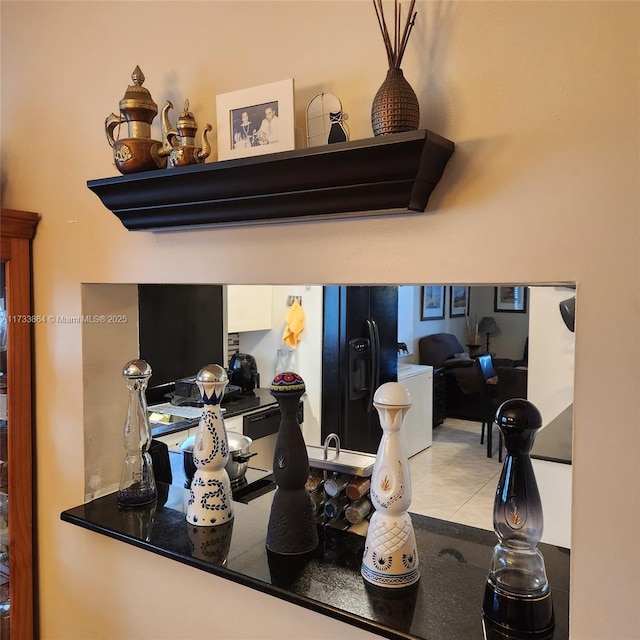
357	511
137	482
358	487
284	361
336	484
335	506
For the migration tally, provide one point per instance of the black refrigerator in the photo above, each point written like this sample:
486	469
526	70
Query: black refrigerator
359	353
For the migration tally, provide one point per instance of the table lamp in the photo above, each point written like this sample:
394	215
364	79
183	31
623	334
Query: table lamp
488	326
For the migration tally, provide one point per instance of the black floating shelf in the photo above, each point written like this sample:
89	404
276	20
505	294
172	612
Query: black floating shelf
387	174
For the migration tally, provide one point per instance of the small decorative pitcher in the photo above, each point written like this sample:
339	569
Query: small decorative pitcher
180	143
210	502
390	554
138	151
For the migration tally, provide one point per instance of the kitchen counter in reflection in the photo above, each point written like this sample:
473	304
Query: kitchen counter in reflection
444	605
241	404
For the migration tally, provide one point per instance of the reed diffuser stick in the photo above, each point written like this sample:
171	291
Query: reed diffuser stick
395	48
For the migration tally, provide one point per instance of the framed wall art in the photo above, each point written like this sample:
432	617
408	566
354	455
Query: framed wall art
510	299
256	121
458	301
432	300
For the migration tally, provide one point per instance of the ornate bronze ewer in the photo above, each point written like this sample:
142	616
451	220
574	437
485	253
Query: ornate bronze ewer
179	144
138	151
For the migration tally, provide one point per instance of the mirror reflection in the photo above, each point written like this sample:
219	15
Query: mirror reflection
345	341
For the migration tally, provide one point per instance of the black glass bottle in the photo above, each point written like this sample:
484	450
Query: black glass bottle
517	594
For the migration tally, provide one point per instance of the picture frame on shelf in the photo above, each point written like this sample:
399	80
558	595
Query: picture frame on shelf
510	299
256	121
432	302
458	301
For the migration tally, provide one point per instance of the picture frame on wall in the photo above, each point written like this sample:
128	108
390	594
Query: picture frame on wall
432	301
458	301
256	121
510	299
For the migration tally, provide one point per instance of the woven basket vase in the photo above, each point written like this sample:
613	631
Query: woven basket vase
395	107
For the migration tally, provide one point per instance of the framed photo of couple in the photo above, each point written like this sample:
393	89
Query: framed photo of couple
256	121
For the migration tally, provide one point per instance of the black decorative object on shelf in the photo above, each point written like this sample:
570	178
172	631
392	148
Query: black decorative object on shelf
388	174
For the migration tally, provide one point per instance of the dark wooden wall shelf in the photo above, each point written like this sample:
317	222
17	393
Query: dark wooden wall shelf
387	174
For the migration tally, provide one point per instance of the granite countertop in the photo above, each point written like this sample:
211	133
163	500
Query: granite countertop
244	403
444	605
249	401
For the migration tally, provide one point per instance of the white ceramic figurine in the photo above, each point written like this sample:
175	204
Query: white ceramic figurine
390	555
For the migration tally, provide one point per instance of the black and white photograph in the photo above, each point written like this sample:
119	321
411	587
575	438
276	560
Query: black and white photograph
256	121
255	125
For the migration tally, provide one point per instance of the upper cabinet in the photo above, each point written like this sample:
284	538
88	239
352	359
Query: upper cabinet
249	308
383	175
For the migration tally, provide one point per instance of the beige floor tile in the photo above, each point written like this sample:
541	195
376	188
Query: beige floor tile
453	479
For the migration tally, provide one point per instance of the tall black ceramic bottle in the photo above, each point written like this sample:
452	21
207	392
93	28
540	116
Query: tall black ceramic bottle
517	595
292	529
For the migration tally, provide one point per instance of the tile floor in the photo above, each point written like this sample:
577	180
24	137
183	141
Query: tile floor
453	479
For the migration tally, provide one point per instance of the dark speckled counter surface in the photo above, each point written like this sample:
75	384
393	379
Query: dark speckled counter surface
445	604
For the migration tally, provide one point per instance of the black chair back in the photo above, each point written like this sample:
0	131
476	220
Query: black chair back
512	383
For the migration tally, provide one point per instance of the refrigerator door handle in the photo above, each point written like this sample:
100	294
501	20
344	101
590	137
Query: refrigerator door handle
374	338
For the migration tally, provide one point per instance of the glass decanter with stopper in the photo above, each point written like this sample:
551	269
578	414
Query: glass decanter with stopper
137	483
517	596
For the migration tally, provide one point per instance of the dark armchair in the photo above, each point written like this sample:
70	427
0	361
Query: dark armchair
463	388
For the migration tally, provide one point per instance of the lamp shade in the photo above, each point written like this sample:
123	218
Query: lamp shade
488	325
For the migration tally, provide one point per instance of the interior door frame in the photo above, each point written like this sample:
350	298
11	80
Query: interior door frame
17	228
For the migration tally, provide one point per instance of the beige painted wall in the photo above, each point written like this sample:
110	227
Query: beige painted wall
541	100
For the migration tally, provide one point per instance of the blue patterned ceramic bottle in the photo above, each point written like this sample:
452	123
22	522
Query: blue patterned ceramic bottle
210	502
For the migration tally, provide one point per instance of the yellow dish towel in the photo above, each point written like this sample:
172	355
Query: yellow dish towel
294	326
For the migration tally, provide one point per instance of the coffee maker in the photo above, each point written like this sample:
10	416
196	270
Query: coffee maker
243	371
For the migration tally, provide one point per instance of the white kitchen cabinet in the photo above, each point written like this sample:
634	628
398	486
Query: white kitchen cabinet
234	423
249	308
175	439
417	430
